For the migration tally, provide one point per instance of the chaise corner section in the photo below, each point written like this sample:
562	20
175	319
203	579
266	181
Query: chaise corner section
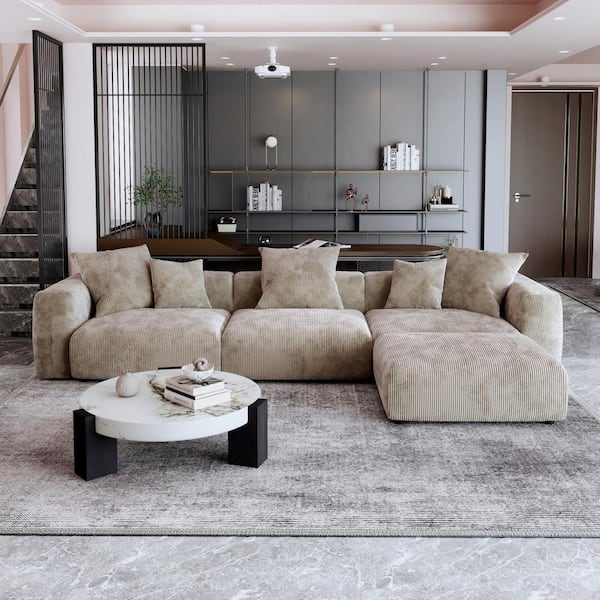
468	377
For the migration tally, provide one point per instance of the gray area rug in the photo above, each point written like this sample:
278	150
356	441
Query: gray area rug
337	467
586	291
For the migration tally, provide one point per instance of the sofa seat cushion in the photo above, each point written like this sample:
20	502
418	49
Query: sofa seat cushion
468	377
422	320
145	339
295	344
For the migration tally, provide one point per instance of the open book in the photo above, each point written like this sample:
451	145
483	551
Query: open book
310	243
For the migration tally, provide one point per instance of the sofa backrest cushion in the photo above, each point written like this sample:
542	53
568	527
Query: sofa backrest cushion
178	284
377	289
219	288
247	289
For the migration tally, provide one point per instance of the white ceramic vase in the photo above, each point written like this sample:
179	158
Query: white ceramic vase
127	385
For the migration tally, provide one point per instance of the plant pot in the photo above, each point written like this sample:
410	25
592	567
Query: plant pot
153	224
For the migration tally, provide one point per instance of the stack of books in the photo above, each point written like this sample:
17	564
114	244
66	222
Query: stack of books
265	197
401	157
196	394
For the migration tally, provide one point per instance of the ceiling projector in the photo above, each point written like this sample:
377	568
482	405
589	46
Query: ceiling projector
273	70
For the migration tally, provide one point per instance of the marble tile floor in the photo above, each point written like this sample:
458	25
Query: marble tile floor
280	568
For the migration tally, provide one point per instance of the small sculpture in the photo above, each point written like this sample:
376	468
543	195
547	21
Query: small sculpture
127	385
351	194
364	203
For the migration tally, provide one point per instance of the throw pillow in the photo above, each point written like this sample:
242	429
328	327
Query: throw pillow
477	280
117	279
417	285
299	278
179	285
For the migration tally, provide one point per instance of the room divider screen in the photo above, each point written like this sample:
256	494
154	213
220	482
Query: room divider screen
150	112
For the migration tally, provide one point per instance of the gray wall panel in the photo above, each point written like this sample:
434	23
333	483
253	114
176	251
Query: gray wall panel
270	113
357	120
402	107
313	120
226	102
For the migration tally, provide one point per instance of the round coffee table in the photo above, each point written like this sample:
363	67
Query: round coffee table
104	417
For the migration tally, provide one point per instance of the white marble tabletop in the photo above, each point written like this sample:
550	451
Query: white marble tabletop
148	417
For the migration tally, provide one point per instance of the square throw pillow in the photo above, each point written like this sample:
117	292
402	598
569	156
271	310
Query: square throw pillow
179	284
117	279
417	285
477	280
299	278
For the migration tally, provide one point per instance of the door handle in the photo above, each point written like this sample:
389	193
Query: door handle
517	196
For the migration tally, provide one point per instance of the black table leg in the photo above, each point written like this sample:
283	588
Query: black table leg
248	444
95	455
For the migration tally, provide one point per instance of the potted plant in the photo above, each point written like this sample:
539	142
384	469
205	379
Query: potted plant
156	193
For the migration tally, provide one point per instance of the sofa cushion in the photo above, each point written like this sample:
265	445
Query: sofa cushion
117	279
468	377
178	284
299	278
417	285
145	339
477	280
247	289
297	344
219	289
423	320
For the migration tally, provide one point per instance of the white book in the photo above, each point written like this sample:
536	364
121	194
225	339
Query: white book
386	158
408	157
443	207
278	200
415	159
393	159
249	196
191	387
310	243
262	197
255	198
198	403
400	156
270	192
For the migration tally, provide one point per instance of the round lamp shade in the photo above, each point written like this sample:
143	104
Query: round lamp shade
271	142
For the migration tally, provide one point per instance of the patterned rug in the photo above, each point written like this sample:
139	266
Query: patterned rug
336	467
586	291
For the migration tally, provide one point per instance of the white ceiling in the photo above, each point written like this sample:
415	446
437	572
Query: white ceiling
521	36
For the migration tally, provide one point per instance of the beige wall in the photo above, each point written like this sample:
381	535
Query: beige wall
16	116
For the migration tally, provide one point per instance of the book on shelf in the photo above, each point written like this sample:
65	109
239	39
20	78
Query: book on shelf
310	243
442	207
401	157
264	198
197	402
191	387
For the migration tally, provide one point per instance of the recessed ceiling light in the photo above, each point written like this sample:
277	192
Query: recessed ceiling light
225	57
333	57
558	18
197	39
386	27
442	57
434	64
512	74
36	19
230	64
564	51
331	64
196	27
386	39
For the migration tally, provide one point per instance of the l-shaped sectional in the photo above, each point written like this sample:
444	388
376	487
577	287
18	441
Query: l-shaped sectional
429	364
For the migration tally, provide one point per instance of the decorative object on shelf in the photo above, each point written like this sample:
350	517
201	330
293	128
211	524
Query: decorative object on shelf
264	240
264	198
401	157
364	203
157	192
351	194
270	144
127	385
446	195
227	225
199	370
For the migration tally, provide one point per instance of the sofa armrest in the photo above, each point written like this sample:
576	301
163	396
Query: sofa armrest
536	311
57	312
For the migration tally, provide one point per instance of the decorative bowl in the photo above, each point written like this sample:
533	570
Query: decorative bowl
196	375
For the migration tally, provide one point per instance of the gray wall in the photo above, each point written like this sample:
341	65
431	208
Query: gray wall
340	121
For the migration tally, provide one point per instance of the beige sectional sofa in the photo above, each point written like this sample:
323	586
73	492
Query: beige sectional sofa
442	364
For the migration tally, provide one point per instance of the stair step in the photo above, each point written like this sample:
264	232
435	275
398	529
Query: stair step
30	158
23	199
18	245
17	296
19	270
15	323
27	178
19	221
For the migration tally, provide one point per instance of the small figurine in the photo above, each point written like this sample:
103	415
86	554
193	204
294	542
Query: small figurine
351	194
364	203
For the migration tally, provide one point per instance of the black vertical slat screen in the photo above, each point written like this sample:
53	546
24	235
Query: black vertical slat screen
48	95
150	112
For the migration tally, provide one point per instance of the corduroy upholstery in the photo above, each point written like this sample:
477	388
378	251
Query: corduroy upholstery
468	377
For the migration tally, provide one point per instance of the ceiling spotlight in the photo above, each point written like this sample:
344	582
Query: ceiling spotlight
225	58
434	64
197	27
331	64
511	74
558	18
333	57
35	19
385	39
230	64
386	27
564	51
442	57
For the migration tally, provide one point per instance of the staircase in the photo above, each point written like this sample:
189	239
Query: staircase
19	269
